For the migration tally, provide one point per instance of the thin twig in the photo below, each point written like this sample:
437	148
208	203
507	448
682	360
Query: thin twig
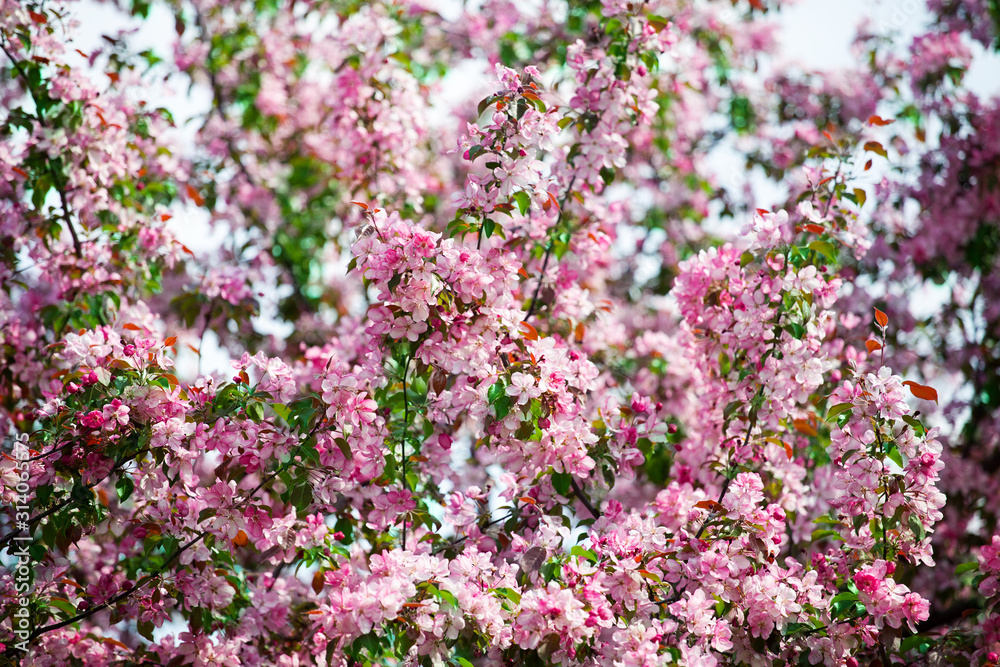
578	492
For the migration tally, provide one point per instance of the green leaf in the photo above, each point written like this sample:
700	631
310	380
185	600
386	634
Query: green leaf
824	248
255	411
918	428
561	483
485	103
145	629
63	606
511	595
390	466
496	391
345	448
895	456
302	496
796	329
918	529
842	603
125	486
846	596
476	151
823	534
966	567
583	553
523	201
488	227
838	409
918	642
861	196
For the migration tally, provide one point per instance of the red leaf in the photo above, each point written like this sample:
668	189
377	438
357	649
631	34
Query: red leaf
318	581
241	539
361	204
868	165
710	505
527	500
37	18
803	426
20	172
554	201
170	341
131	327
876	147
873	345
881	318
922	391
522	272
815	229
879	121
529	331
578	332
195	196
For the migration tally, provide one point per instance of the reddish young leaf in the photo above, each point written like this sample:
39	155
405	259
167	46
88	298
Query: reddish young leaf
578	332
879	121
803	426
922	391
131	327
361	204
873	345
318	581
529	331
881	318
876	147
169	342
195	196
241	539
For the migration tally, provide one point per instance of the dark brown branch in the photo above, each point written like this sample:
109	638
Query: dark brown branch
578	492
